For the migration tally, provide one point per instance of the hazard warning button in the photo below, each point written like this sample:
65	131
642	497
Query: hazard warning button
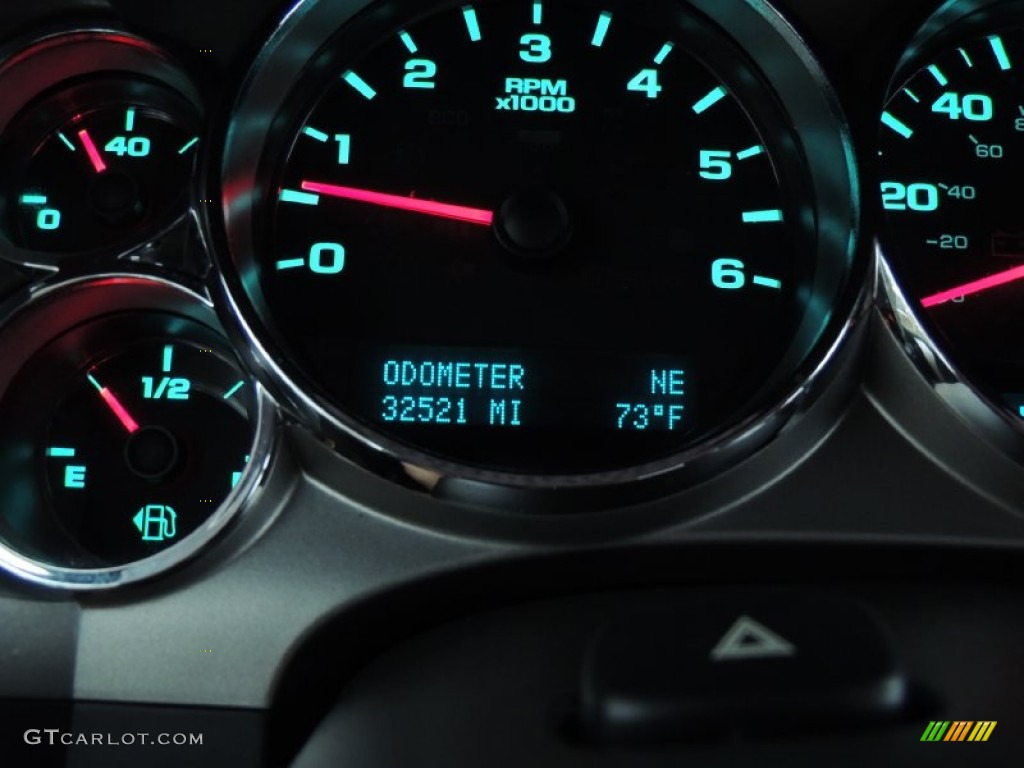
735	663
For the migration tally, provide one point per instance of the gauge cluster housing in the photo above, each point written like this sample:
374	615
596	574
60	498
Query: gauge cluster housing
876	462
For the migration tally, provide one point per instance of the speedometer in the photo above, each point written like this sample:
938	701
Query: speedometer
538	240
951	150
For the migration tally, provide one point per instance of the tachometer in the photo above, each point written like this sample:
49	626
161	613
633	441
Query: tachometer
537	240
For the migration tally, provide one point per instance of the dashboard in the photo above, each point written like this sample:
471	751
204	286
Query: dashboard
572	382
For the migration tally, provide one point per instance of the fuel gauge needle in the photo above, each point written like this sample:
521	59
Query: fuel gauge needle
115	405
428	207
90	149
978	286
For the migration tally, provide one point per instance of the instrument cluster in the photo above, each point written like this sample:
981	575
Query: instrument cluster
523	257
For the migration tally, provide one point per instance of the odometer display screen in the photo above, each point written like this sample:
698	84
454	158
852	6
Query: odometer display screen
537	237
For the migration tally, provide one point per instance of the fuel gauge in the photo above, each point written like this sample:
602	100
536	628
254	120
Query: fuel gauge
98	165
122	438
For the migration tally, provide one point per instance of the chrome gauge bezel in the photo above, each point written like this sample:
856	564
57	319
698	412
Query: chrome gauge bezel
233	169
949	383
33	66
954	21
30	320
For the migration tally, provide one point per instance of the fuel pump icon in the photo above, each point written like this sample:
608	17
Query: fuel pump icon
156	522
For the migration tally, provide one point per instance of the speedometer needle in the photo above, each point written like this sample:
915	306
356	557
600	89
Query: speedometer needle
428	207
115	405
978	286
90	149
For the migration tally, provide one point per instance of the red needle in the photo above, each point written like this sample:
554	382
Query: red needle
91	151
978	286
115	405
429	207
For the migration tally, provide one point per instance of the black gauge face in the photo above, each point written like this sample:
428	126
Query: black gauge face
128	434
554	238
952	152
97	166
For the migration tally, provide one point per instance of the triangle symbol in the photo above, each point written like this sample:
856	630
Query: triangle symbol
748	639
138	519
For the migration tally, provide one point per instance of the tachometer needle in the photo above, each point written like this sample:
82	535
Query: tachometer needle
978	286
428	207
90	149
115	405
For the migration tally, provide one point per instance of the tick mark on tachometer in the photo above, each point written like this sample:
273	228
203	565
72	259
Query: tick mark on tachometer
299	198
604	23
472	23
762	217
709	101
313	133
408	42
767	282
360	85
663	54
